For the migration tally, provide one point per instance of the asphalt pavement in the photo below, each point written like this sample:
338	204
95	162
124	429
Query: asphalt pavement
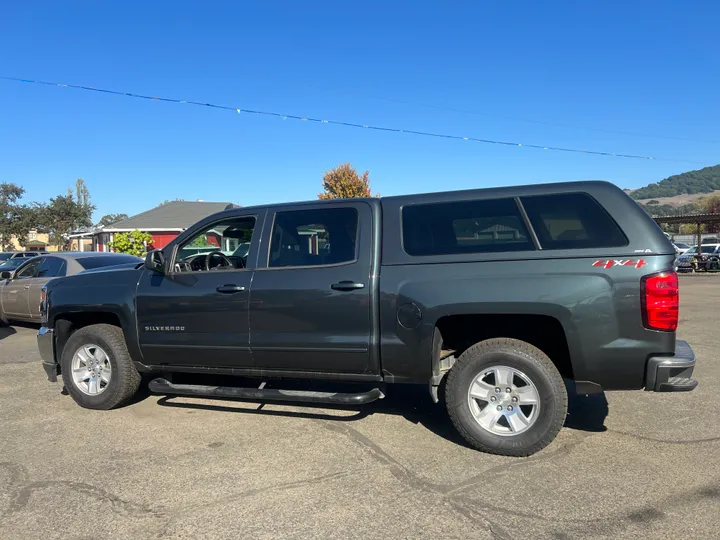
627	464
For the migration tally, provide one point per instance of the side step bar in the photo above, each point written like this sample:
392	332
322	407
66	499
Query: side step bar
162	386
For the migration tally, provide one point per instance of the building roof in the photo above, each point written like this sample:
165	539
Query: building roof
688	219
172	216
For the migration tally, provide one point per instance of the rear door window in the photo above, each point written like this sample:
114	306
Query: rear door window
482	226
52	267
317	237
572	221
89	263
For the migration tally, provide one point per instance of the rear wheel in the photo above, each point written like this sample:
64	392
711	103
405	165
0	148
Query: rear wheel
97	369
506	397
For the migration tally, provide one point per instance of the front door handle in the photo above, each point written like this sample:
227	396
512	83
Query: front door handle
230	289
347	286
26	286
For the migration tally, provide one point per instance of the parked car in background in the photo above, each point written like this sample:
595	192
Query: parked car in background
20	287
680	247
12	264
7	255
707	258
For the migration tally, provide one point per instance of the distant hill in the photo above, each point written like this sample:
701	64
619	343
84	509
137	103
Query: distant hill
704	180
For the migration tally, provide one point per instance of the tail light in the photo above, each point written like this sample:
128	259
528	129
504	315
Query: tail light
661	300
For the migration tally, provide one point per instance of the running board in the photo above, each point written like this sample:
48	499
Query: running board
162	386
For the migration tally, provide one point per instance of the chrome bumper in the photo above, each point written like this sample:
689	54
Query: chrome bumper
46	346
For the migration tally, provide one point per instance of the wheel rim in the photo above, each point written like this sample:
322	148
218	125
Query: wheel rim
91	369
504	401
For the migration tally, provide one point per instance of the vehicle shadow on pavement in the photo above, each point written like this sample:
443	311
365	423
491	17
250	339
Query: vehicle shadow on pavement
586	412
6	331
412	402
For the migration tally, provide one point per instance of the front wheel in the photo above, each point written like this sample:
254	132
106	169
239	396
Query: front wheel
506	397
97	369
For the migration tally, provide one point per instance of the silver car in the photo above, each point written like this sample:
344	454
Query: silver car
707	258
20	287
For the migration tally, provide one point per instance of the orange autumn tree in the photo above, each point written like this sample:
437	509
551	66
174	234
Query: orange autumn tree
344	182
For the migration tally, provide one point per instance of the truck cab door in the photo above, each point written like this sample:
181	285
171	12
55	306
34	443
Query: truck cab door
312	301
196	312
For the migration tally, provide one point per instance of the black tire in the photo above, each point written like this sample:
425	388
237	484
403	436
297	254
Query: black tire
125	379
533	363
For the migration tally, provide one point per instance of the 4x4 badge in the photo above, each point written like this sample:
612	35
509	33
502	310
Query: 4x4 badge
620	262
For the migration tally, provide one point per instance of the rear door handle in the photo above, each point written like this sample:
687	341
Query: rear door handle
347	286
26	286
230	289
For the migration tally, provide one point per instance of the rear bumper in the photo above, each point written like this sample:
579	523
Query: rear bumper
672	373
46	346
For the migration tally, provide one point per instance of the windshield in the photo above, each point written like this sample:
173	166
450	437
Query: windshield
681	245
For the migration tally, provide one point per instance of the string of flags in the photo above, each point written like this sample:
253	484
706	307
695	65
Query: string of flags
340	123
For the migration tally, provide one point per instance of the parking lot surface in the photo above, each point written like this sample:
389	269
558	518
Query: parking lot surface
627	464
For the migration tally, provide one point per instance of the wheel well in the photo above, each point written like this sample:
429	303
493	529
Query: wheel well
67	324
458	332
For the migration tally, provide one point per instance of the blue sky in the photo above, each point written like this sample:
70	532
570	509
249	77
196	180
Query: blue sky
644	67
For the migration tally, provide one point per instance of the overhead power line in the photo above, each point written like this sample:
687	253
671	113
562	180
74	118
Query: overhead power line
526	120
485	114
346	124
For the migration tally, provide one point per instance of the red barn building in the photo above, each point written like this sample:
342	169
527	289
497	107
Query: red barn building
163	222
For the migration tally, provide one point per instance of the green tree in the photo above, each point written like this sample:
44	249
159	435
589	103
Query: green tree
132	243
63	215
201	241
344	182
109	219
15	218
687	228
710	205
82	195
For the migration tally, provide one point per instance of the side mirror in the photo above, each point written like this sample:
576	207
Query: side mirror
155	261
7	274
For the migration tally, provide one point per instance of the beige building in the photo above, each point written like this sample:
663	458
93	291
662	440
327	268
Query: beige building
81	242
36	241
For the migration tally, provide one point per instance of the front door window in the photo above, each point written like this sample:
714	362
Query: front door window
219	247
29	270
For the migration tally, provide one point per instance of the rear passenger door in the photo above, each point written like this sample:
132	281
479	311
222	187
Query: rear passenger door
310	302
50	267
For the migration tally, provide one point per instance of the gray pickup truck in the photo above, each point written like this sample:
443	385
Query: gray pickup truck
498	295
